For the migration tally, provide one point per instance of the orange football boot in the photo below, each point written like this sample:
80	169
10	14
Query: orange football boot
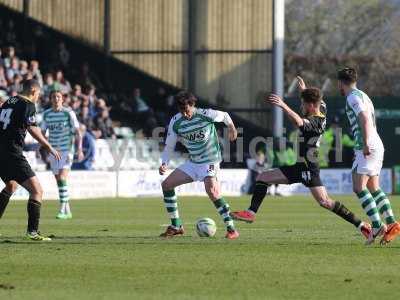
243	215
232	235
393	230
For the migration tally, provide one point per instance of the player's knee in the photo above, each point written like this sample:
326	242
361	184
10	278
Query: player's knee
11	187
166	186
259	177
37	193
357	189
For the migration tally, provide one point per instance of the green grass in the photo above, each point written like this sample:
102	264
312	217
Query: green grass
111	250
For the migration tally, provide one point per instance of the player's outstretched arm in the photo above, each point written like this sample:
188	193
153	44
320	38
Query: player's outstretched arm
36	133
293	116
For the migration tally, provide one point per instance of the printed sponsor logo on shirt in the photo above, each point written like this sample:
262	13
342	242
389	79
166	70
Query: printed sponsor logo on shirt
12	100
195	136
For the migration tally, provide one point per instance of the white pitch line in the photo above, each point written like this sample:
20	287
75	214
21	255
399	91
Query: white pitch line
165	225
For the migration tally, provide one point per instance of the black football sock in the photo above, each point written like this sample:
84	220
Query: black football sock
346	214
4	199
260	190
33	208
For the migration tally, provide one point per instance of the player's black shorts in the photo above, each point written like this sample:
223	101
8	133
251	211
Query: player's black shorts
14	166
300	173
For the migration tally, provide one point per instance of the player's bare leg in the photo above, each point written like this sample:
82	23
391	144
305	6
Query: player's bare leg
273	176
213	190
385	210
368	204
5	195
321	196
176	178
32	185
65	210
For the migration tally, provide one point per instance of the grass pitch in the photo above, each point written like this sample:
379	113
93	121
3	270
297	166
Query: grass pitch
111	250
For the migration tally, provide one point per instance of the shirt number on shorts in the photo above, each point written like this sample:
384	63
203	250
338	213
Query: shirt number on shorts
5	117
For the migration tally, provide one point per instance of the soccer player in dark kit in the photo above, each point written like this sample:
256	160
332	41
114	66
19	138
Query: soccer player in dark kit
17	116
306	170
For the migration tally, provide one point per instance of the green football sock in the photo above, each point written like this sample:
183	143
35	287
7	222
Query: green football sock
369	206
383	205
63	194
170	201
224	210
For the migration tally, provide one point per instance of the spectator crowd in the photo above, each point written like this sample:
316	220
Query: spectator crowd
91	110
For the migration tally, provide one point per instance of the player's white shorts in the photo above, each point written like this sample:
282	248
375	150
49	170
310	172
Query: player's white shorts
64	163
200	171
370	165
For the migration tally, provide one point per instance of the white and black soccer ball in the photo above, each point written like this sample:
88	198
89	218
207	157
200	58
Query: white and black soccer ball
206	227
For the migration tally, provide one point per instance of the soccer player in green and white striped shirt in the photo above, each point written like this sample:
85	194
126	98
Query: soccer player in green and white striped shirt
196	130
368	158
62	125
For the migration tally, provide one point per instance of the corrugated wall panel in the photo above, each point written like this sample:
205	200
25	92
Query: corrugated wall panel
80	18
234	24
149	25
239	78
14	4
236	80
168	67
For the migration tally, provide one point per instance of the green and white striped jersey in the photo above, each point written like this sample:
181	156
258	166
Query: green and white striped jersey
62	126
198	135
356	102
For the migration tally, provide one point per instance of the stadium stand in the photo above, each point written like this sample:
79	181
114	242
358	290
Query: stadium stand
128	106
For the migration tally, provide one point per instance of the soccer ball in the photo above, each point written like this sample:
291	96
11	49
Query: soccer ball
206	227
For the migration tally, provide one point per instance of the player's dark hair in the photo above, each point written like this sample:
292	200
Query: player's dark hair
54	91
28	85
347	75
311	95
184	97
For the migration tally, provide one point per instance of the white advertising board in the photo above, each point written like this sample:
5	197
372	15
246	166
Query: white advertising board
82	185
146	183
102	184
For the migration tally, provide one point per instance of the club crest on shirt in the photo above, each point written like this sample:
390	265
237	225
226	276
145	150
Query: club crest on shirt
32	119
